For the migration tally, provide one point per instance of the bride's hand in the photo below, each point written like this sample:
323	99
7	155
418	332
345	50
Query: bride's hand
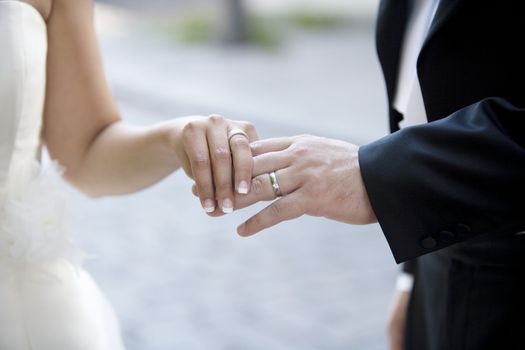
215	153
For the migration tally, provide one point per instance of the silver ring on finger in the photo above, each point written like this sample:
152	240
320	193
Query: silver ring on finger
275	184
234	132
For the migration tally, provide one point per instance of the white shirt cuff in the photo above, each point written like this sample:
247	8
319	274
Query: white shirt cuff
404	282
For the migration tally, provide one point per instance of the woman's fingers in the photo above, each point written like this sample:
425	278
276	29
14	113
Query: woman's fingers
242	160
242	134
221	159
219	164
231	158
196	146
216	213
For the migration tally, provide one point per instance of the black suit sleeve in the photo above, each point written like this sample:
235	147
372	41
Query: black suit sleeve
449	180
409	267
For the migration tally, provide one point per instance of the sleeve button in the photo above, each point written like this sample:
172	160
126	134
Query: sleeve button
447	236
428	242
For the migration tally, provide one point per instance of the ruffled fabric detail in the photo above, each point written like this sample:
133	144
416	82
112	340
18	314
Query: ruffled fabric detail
34	229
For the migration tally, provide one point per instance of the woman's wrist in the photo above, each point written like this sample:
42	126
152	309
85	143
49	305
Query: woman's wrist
170	138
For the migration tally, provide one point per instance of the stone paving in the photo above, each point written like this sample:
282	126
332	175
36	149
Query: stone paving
181	280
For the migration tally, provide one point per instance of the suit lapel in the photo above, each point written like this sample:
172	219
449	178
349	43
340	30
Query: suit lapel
391	24
446	9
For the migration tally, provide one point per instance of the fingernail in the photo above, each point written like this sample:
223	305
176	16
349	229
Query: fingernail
209	206
243	187
227	206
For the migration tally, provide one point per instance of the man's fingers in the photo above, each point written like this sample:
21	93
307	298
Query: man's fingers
271	161
262	188
270	145
194	140
286	208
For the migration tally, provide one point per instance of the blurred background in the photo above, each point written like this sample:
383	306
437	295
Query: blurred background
181	280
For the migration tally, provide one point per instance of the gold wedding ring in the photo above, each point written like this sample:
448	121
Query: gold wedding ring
234	132
275	185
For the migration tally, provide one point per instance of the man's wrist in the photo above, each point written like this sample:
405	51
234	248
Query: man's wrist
365	199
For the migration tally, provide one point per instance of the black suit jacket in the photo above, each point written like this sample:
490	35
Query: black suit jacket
462	175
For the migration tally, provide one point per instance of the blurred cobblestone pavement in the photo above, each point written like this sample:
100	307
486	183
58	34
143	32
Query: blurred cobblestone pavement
181	280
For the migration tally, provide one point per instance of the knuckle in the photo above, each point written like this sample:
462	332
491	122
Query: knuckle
188	130
221	154
257	186
201	161
300	151
216	119
240	142
249	127
276	210
255	147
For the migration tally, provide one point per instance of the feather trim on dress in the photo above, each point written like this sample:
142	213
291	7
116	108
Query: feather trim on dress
34	229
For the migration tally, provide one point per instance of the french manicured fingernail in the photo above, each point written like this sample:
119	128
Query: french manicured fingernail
209	206
227	206
243	187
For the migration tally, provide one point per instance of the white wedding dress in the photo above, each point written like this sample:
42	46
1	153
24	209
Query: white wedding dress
47	301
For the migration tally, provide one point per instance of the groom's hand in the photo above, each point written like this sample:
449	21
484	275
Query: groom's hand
315	176
215	152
